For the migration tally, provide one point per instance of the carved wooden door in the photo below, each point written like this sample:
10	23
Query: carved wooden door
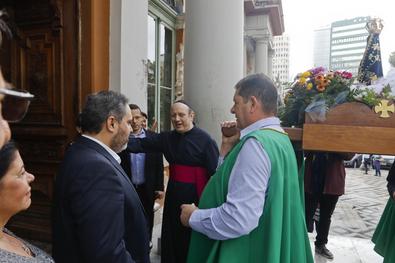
42	57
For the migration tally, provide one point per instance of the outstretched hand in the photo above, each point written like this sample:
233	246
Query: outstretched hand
154	125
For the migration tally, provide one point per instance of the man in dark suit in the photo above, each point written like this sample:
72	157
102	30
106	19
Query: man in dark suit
145	170
98	216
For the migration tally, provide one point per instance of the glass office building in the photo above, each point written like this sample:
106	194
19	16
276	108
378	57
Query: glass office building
281	58
322	46
348	43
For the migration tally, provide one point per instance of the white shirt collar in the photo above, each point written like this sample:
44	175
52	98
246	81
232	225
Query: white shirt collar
141	134
108	149
271	122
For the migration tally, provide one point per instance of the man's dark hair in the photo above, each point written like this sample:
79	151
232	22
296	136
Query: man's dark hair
7	156
261	87
99	107
134	107
144	115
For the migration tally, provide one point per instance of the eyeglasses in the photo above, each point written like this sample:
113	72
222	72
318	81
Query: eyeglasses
15	103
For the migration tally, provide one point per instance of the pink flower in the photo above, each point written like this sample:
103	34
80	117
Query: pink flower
346	75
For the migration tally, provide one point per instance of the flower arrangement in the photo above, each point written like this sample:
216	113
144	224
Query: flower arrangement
315	91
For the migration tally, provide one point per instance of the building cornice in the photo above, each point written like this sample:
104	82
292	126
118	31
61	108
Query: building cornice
272	8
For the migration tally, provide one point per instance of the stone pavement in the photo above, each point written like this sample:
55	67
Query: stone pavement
358	211
156	232
353	222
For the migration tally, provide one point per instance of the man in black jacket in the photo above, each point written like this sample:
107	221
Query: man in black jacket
193	157
98	216
145	170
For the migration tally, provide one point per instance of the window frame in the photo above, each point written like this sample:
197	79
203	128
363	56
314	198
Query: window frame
166	16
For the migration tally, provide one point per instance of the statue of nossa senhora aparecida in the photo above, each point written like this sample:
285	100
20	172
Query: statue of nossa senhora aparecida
388	79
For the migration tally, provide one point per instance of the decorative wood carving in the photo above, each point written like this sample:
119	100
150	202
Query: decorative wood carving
40	74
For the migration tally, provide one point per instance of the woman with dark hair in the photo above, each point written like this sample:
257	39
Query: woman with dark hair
15	197
384	235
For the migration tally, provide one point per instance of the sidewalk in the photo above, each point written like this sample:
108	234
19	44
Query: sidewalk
348	250
155	257
345	249
355	218
353	222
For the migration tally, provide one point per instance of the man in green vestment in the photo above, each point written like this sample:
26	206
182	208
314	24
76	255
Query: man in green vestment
251	209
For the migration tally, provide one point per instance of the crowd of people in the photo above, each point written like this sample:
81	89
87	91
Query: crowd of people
221	205
103	201
241	202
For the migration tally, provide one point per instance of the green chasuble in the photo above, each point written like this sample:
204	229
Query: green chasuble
281	235
384	235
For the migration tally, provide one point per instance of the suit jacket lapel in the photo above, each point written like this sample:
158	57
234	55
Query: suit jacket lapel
105	153
101	150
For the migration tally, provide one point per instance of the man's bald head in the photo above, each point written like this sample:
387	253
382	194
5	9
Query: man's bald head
181	116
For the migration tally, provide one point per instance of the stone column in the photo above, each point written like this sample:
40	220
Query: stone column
249	43
245	54
261	55
128	56
213	60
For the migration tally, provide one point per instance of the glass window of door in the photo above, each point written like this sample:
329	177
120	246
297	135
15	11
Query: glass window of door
160	67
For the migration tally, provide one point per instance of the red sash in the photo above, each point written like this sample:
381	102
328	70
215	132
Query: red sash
190	174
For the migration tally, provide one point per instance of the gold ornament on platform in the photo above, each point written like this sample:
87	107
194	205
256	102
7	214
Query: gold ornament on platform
384	108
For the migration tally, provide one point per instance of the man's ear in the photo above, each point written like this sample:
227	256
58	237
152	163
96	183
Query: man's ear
111	123
254	103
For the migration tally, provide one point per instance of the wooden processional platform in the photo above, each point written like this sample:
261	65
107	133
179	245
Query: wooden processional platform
350	127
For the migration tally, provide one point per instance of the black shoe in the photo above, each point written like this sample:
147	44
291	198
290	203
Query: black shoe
323	251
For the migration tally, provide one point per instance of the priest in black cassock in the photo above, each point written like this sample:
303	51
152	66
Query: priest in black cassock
193	156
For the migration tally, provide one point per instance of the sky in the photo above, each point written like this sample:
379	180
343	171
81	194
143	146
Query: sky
302	17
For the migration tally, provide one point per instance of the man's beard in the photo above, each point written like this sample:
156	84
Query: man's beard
123	147
117	145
